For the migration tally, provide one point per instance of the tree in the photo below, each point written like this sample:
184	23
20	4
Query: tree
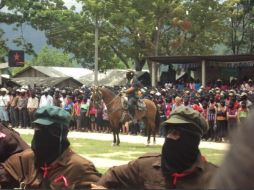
3	48
205	23
20	12
240	23
52	57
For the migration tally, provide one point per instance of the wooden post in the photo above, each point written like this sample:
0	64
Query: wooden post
203	72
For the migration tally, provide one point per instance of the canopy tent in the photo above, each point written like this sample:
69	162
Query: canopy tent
213	60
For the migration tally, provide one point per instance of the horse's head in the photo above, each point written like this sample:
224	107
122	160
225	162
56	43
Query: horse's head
96	96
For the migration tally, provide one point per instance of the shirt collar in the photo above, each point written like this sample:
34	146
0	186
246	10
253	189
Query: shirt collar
199	164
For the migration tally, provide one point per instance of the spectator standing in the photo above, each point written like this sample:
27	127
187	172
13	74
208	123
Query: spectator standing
231	117
105	118
46	99
4	103
99	116
77	113
92	114
14	113
178	103
221	121
69	107
32	105
22	107
211	118
243	113
84	114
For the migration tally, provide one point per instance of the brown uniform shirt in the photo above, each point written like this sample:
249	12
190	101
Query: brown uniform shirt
69	171
10	144
146	173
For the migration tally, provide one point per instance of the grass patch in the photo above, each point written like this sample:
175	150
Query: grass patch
126	152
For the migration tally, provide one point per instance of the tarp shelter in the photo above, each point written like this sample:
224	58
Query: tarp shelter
43	71
59	82
114	77
197	61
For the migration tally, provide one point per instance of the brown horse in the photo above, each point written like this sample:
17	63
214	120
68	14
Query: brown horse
118	115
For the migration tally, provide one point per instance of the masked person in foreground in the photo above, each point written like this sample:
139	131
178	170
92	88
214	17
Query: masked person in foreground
51	164
180	165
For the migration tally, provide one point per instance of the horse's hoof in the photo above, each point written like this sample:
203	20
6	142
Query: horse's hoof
148	144
154	143
113	144
118	144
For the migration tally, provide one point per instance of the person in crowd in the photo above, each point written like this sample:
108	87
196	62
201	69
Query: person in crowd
178	102
56	100
211	118
99	117
77	113
197	106
84	114
244	97
50	163
32	105
69	107
22	107
106	124
180	165
243	113
4	103
237	168
168	107
232	119
46	99
14	114
92	112
221	121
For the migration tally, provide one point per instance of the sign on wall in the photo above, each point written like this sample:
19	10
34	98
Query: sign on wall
16	58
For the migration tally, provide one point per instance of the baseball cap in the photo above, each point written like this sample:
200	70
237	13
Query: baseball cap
49	115
186	115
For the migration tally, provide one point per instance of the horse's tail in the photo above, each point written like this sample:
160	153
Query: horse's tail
157	121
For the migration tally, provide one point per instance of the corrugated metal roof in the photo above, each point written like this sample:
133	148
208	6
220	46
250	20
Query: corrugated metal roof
111	77
63	71
44	81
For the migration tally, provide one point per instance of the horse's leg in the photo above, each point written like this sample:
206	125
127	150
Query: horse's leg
154	135
117	135
114	136
148	130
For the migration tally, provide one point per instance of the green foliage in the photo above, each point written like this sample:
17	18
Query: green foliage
240	23
3	48
52	57
130	31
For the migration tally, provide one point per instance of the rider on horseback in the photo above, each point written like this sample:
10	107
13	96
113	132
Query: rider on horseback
133	86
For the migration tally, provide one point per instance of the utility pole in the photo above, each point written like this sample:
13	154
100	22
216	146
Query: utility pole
154	78
96	52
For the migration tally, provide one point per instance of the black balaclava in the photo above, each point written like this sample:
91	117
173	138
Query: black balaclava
49	143
179	155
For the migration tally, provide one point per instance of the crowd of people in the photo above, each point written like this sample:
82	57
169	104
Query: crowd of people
187	115
224	107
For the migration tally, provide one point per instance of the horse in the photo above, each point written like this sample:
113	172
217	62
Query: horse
118	115
10	142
